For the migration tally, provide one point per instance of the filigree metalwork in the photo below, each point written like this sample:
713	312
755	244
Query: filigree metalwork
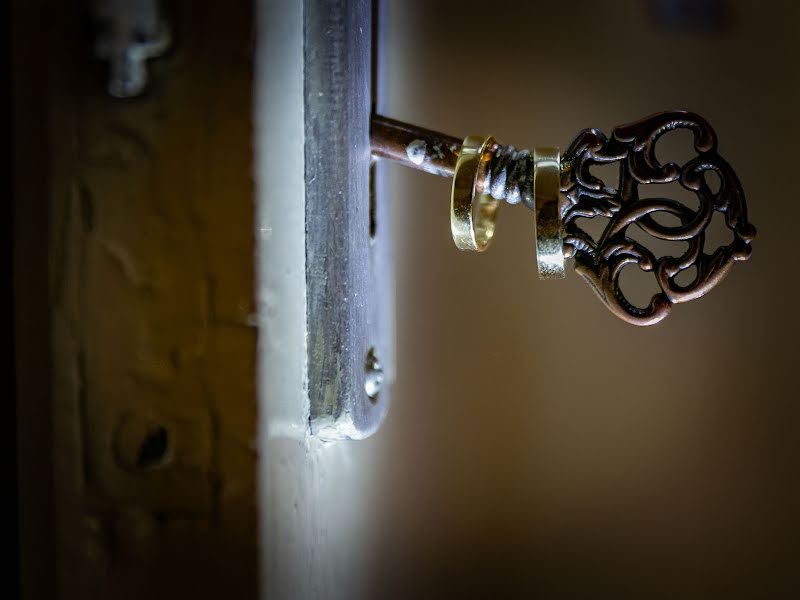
601	261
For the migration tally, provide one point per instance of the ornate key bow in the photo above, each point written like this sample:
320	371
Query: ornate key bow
562	189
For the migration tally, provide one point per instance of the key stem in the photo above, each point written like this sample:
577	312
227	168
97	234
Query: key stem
415	147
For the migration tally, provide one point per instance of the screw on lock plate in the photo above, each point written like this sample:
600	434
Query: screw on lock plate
560	189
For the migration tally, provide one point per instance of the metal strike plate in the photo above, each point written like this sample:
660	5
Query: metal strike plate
349	275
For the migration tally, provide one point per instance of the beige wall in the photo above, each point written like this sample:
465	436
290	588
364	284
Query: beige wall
535	440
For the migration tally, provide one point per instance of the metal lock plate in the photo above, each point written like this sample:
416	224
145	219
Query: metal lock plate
349	274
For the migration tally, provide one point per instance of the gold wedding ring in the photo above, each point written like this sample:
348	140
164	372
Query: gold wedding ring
472	213
547	216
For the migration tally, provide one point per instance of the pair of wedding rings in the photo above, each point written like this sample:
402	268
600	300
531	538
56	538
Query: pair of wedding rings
473	213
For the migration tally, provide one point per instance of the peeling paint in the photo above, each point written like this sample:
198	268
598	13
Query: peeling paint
416	151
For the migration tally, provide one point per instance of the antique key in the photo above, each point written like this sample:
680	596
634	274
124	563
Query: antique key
560	189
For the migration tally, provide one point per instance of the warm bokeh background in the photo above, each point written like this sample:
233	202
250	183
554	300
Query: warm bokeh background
536	443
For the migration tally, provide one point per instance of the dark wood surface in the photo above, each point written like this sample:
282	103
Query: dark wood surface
150	262
33	427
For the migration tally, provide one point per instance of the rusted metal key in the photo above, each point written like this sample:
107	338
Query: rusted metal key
560	189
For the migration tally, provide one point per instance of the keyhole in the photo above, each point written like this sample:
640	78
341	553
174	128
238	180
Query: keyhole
141	444
374	376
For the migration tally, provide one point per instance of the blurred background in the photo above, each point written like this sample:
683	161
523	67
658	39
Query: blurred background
536	445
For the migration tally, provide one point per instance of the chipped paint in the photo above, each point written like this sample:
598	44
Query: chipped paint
416	151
